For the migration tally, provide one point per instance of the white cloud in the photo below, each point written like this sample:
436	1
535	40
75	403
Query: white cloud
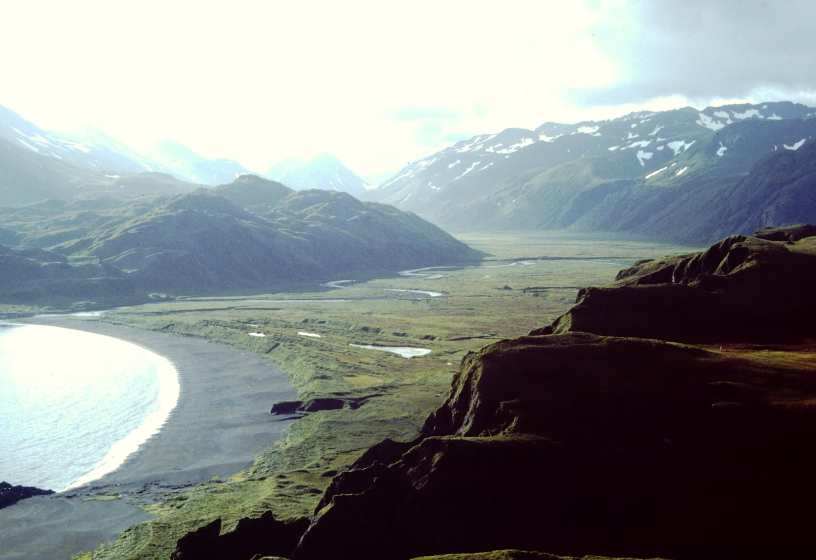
259	81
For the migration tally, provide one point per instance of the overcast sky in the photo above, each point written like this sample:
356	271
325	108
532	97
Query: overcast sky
379	84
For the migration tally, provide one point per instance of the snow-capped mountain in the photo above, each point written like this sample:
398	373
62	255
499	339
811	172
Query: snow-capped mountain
94	149
324	172
183	163
569	175
85	152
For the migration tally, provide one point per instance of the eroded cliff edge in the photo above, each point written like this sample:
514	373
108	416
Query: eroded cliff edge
600	435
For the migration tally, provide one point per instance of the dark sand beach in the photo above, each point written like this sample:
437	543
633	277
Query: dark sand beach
220	423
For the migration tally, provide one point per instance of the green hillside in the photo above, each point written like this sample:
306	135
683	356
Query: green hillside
104	250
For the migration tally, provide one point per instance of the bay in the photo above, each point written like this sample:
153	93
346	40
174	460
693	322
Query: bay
74	405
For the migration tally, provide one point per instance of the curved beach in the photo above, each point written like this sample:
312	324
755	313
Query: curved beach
220	423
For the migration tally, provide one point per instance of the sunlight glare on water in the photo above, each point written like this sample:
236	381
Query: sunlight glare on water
73	404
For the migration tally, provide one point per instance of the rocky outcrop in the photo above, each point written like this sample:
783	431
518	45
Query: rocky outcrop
263	536
318	404
789	233
741	289
581	444
602	435
12	494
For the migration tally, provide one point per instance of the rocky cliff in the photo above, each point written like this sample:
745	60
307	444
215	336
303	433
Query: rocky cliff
741	289
608	442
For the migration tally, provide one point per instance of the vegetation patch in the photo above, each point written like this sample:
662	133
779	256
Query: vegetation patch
383	394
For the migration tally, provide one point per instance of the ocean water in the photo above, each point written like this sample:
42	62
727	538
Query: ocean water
74	405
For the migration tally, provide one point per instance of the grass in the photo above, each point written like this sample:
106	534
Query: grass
501	299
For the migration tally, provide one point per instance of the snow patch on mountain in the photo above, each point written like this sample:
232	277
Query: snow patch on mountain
709	122
679	145
517	146
476	141
721	150
27	145
640	144
795	146
653	173
468	170
642	156
587	129
747	114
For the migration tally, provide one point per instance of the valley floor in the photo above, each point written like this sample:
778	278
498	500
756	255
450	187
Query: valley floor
353	397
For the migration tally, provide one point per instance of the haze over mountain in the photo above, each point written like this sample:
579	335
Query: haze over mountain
83	152
321	172
91	148
653	173
185	164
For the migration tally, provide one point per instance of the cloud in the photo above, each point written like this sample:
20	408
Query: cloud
435	114
379	84
703	51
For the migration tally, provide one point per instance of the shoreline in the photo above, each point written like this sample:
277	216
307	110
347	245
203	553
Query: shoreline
220	423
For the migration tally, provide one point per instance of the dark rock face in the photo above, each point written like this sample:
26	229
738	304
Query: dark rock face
318	404
12	494
614	443
790	233
579	444
741	289
286	407
263	536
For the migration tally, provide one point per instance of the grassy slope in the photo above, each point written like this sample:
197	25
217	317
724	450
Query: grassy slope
481	305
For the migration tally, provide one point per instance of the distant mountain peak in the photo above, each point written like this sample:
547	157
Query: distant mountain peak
324	171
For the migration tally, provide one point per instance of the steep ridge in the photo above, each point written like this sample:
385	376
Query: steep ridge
648	173
579	443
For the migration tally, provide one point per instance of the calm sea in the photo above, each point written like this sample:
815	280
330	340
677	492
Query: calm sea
74	405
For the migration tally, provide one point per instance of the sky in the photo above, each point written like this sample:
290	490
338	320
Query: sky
381	84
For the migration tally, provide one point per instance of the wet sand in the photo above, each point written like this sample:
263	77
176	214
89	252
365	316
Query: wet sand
219	425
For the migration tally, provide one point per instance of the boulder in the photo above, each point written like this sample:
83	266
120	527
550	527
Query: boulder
12	494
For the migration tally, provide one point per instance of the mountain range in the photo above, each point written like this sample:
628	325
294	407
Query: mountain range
672	175
92	149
